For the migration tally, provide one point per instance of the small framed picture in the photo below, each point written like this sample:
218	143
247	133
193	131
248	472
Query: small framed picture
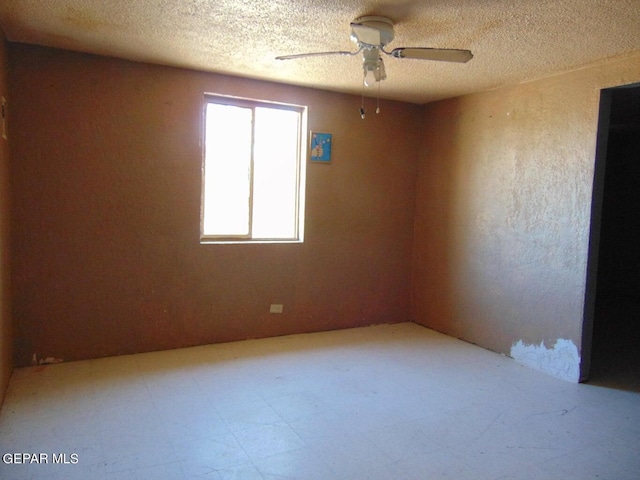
320	147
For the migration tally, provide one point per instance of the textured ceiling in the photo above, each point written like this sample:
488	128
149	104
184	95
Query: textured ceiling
512	40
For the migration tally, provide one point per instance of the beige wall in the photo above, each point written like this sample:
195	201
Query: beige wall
106	190
106	184
6	338
503	213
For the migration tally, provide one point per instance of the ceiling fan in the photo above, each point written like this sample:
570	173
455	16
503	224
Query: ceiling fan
371	34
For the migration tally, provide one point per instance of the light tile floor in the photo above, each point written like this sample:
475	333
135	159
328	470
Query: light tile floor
391	402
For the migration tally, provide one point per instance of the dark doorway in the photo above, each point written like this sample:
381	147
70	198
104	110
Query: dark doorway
615	347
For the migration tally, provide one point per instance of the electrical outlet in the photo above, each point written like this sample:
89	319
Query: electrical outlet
275	308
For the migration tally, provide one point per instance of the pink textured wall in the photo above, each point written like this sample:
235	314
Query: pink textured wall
6	336
503	209
106	203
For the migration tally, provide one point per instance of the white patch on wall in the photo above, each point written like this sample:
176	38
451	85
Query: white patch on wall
45	361
561	361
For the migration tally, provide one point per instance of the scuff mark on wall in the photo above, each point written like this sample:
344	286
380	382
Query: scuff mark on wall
561	361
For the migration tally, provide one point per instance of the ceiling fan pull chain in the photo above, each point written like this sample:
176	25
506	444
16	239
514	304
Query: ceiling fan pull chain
378	99
362	101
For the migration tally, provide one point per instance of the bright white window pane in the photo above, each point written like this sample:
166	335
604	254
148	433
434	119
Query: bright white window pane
227	170
252	172
275	173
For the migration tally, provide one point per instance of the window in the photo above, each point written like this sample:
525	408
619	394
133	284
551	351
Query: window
253	173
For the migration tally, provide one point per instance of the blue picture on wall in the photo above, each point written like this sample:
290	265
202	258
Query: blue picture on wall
321	147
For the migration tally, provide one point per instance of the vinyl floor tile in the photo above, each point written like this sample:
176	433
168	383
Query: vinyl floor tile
397	402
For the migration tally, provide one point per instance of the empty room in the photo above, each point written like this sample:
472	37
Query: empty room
319	240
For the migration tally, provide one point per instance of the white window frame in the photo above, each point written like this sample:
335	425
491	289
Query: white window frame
300	170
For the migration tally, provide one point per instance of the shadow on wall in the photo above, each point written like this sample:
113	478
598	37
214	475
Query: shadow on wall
432	302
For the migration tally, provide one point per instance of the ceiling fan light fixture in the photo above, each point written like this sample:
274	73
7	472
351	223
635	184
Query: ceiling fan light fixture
374	75
380	73
369	78
373	66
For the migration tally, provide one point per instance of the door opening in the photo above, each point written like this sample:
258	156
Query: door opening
612	307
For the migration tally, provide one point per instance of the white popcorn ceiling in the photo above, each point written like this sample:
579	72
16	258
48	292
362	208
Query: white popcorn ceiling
513	41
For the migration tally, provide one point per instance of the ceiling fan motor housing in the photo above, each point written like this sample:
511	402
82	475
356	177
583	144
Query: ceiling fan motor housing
371	31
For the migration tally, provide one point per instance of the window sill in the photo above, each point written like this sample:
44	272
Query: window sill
215	241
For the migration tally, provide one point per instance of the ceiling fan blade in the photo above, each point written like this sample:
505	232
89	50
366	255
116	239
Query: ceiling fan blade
438	54
314	54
